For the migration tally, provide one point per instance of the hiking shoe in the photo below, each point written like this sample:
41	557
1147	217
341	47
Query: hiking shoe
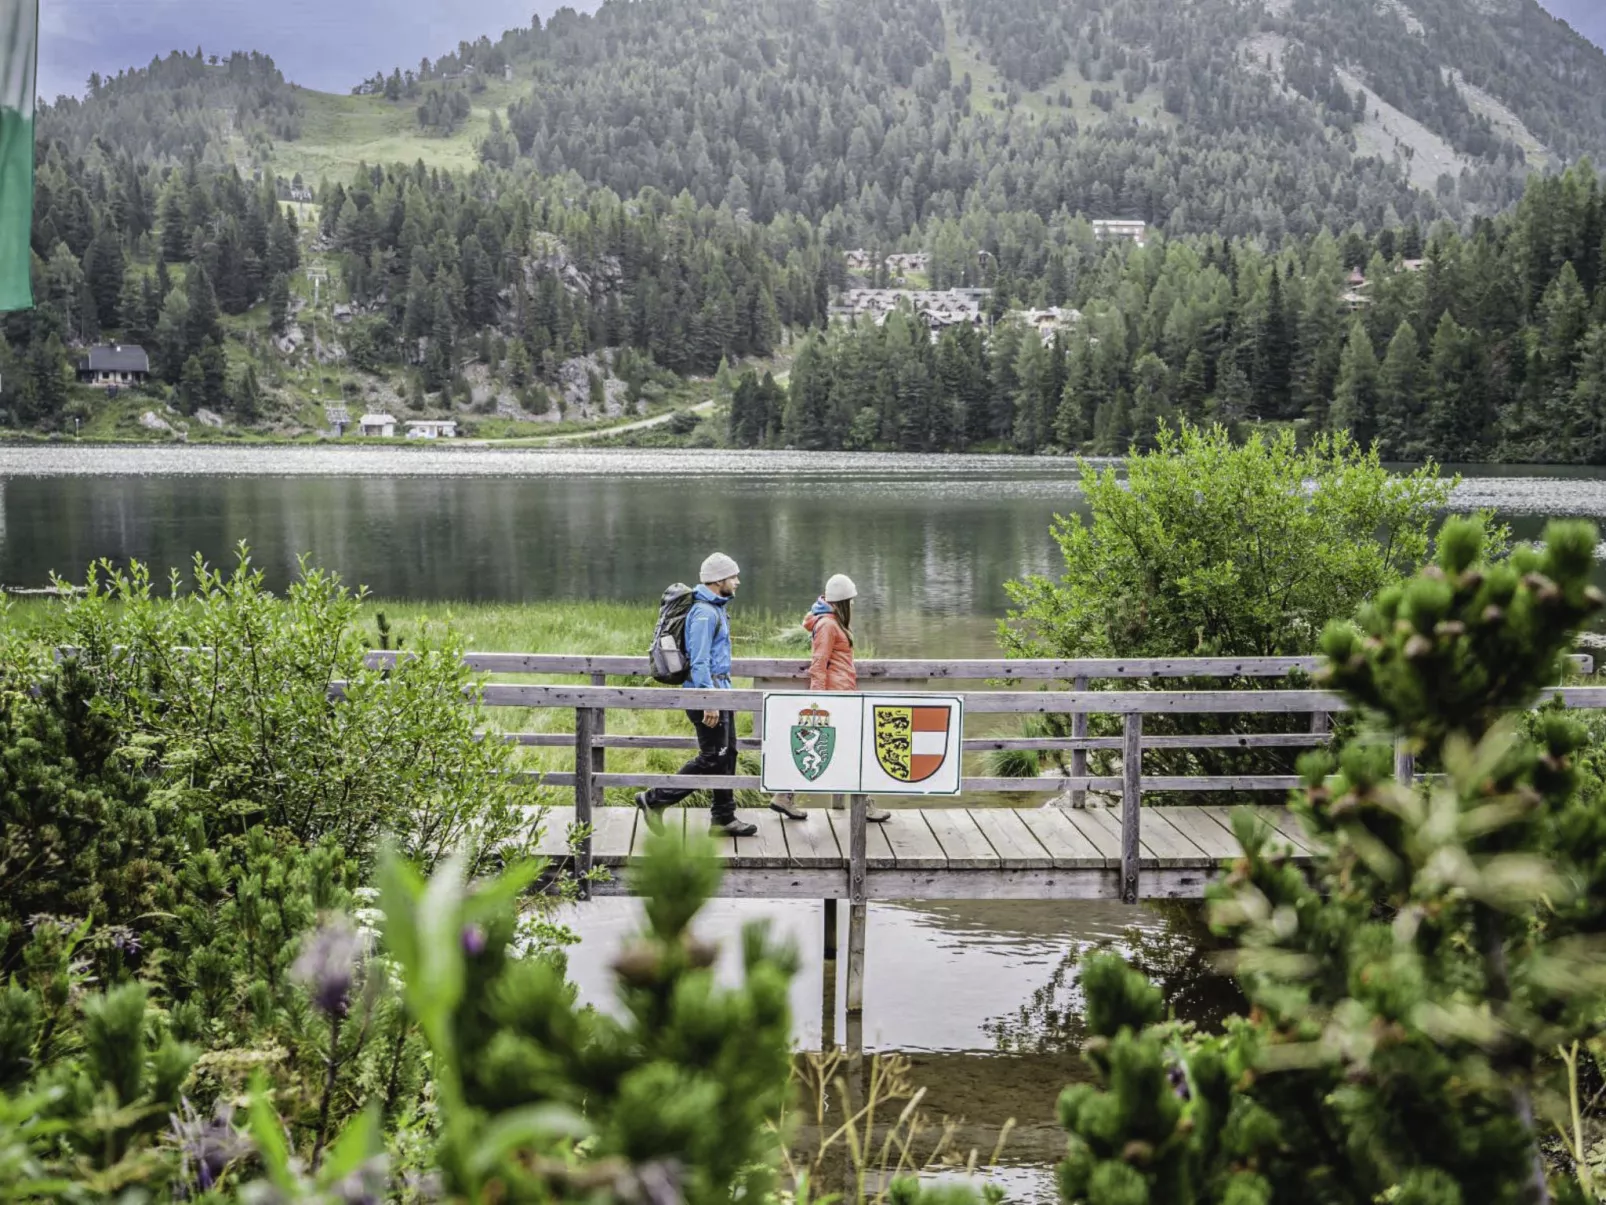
653	816
732	828
877	815
787	806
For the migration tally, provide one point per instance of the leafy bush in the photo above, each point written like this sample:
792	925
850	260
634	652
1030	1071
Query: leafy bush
1405	1002
1208	548
260	710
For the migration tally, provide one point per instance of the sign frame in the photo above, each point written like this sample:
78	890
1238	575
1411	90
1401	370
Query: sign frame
875	739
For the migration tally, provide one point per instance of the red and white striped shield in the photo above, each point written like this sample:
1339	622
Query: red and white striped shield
911	743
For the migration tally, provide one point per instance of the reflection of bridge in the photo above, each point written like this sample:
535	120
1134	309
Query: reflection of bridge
1073	852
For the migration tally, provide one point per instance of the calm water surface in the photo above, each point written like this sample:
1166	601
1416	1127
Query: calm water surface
929	539
983	997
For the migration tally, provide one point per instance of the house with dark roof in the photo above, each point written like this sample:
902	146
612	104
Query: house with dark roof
119	364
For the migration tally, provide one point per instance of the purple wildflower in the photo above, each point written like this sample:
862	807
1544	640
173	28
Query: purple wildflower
365	1186
659	1182
125	941
1179	1082
328	964
473	940
206	1146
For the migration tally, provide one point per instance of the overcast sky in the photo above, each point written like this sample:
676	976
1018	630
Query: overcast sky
333	44
325	44
1588	17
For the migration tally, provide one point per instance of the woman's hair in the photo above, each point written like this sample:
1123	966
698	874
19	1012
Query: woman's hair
844	616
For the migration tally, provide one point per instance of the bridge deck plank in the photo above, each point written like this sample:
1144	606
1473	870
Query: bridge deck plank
1068	845
946	853
965	845
912	844
1016	845
813	842
1214	841
1100	827
1169	844
613	831
1286	823
765	849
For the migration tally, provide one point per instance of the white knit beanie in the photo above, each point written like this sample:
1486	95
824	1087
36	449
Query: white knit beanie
840	589
717	568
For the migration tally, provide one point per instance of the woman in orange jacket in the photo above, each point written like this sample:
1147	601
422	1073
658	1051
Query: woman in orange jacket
829	624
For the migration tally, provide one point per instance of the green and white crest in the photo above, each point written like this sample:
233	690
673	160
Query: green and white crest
813	742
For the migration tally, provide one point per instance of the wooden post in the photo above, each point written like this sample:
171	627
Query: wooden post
1404	764
1079	756
857	918
599	727
585	787
1320	723
830	930
828	1007
857	856
1131	803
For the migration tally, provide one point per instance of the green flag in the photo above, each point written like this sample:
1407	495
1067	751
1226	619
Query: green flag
19	60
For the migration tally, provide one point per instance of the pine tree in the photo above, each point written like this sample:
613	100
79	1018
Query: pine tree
809	421
1151	404
1355	398
192	386
279	304
1398	394
248	397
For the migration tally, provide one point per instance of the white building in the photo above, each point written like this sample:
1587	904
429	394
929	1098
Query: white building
381	425
1050	322
431	428
1137	232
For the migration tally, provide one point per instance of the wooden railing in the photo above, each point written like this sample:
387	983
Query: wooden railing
591	703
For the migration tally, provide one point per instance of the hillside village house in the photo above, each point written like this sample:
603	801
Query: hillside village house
1137	232
937	309
380	425
114	366
431	428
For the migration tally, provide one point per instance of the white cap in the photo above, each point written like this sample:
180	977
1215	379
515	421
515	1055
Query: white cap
840	588
717	568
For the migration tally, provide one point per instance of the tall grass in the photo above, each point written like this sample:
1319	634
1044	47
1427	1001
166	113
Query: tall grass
581	627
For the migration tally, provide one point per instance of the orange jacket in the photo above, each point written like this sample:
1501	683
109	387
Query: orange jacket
832	665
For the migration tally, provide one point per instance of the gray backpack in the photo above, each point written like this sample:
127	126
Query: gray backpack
666	659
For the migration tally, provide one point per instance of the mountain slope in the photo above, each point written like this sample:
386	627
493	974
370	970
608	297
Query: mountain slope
1223	115
884	116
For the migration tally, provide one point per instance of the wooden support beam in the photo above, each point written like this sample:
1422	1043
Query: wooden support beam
858	919
979	744
1131	806
1079	754
996	702
858	852
586	792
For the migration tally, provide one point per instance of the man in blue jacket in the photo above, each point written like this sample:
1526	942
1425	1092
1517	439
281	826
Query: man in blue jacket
708	649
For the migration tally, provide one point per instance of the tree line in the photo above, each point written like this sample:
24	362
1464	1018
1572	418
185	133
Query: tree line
1483	344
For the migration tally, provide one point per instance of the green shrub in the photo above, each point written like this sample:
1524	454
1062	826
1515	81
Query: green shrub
1407	1003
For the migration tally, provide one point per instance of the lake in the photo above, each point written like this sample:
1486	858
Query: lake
982	997
930	540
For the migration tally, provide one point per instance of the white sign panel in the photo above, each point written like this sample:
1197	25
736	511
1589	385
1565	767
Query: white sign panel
913	745
811	742
840	743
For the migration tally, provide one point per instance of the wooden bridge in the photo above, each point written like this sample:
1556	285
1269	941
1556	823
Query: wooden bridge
1065	851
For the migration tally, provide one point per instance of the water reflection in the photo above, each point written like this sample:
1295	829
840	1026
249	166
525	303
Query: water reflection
930	539
983	996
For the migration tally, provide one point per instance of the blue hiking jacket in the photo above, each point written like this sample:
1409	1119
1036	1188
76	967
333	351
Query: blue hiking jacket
708	641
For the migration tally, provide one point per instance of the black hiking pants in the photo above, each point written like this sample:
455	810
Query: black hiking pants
716	754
